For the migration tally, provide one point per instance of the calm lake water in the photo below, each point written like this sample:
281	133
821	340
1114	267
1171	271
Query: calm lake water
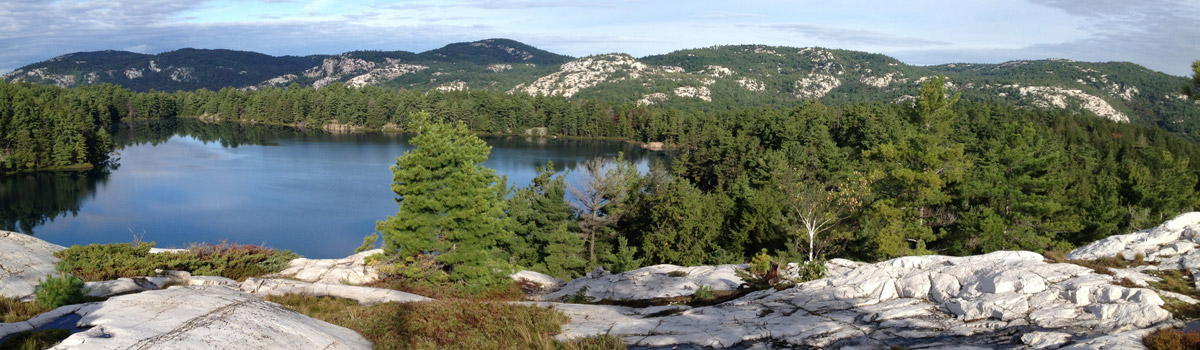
314	193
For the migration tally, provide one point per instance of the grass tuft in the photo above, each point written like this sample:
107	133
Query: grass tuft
13	310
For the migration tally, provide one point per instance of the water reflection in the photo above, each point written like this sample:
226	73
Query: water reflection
183	181
31	200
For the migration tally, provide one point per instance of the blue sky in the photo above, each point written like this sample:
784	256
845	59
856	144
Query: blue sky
1163	35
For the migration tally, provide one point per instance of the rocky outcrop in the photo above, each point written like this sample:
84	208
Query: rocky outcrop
1002	299
1174	245
203	317
583	73
349	270
697	92
651	282
815	85
24	260
1058	97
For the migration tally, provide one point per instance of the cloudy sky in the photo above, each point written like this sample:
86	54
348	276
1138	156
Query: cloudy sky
1163	35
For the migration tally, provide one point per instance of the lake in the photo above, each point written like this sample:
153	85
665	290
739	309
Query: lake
181	181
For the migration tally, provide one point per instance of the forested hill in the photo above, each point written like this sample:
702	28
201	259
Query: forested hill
709	79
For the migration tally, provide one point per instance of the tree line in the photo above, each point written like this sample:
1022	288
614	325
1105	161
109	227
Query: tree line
938	174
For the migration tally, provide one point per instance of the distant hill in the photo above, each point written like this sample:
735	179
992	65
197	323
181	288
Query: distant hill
714	78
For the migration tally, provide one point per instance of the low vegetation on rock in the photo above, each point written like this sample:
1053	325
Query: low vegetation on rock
1173	339
55	291
447	324
13	310
99	262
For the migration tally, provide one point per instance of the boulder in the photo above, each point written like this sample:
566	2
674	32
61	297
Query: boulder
349	270
364	295
540	283
202	317
651	282
117	287
24	260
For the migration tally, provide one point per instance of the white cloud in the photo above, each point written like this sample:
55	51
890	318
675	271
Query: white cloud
850	36
1161	34
142	48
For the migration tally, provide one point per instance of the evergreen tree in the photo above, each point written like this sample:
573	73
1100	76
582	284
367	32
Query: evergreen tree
914	174
451	207
686	224
545	235
1019	191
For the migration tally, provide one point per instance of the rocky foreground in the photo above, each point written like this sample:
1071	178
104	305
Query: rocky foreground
1008	299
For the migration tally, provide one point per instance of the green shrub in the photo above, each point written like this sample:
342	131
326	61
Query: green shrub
422	275
1172	339
65	289
811	270
703	293
35	340
760	263
100	262
368	243
580	297
677	273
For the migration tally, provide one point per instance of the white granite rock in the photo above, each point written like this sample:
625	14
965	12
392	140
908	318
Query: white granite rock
1170	246
202	317
1144	241
364	295
349	270
24	260
996	300
651	282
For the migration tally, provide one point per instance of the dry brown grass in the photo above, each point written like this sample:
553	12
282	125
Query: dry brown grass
1172	339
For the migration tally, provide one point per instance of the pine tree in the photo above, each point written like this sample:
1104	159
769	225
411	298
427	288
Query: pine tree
451	207
545	237
915	173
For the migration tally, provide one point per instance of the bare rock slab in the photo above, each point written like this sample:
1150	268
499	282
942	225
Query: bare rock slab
1174	245
203	317
1007	299
24	260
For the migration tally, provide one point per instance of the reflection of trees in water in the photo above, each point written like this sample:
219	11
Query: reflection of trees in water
230	135
31	200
